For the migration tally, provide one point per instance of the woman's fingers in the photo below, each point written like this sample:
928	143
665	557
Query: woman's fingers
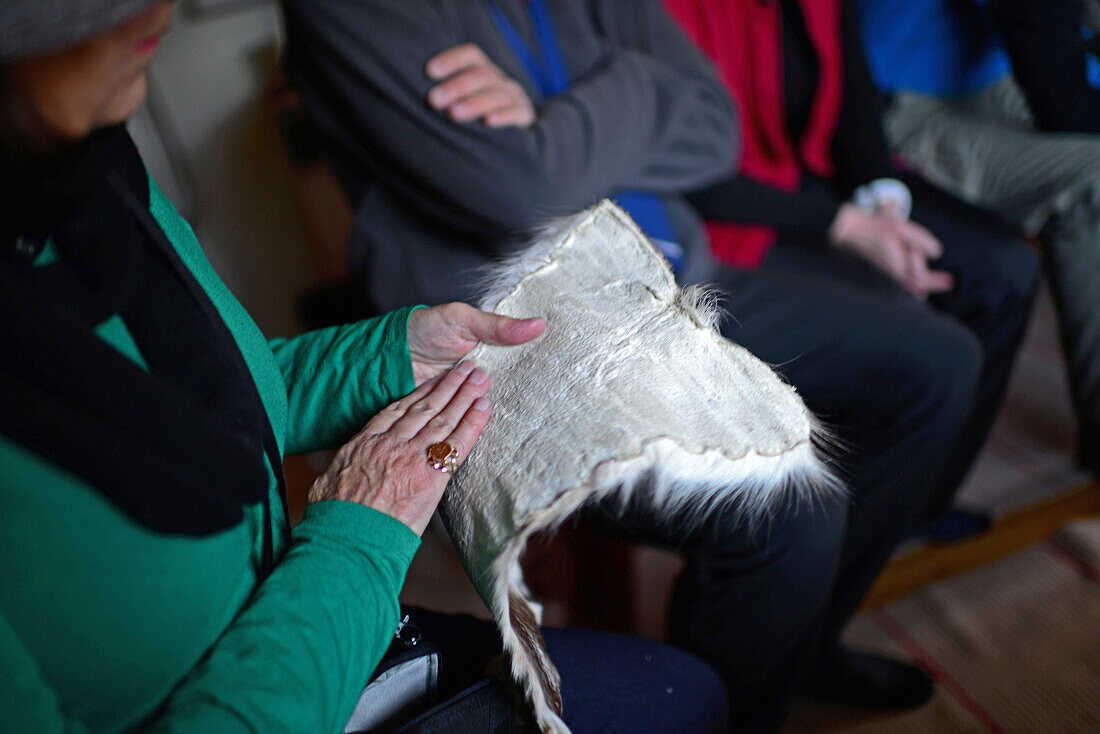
385	418
469	427
463	384
439	427
408	415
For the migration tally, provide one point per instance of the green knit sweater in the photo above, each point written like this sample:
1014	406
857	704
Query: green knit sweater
106	626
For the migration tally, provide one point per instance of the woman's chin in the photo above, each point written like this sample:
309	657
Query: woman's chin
65	125
122	105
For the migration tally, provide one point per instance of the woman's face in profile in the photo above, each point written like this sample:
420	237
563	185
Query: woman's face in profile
61	96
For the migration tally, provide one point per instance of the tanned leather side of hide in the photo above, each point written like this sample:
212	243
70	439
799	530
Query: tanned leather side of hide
728	431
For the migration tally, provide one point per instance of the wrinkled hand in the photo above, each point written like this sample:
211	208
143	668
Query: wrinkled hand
385	466
900	248
441	335
472	87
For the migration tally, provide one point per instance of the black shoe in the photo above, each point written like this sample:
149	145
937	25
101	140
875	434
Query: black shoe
955	525
862	680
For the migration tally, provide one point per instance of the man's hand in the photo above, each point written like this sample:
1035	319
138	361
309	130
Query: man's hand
474	88
441	335
900	248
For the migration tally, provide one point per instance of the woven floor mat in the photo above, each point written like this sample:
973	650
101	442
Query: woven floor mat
1014	647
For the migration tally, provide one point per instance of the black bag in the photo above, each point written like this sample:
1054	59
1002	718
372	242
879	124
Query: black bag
402	696
483	708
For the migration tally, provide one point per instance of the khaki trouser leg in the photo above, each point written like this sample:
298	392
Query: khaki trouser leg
984	149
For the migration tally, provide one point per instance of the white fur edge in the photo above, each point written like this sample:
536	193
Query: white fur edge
798	473
676	480
509	581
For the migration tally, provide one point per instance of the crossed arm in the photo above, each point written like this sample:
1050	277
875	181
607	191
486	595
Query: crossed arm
649	111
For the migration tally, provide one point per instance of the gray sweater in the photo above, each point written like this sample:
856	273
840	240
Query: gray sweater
435	199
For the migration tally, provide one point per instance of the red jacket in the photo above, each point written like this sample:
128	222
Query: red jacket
744	40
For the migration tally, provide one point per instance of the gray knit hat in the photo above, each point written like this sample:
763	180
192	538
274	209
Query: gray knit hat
36	26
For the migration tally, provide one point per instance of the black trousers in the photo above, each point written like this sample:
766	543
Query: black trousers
750	595
908	388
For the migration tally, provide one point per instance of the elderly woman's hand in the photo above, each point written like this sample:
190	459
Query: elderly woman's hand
386	466
441	335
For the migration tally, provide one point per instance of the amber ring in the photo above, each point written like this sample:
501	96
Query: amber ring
443	457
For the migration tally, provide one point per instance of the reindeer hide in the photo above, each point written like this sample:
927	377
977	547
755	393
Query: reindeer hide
630	380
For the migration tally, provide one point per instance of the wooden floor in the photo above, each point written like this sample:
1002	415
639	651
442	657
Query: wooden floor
1013	646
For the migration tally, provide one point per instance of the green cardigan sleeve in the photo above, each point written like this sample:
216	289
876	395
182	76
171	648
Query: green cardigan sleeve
27	702
338	378
298	657
295	659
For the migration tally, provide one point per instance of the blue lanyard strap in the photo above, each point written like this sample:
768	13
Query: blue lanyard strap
546	67
544	63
